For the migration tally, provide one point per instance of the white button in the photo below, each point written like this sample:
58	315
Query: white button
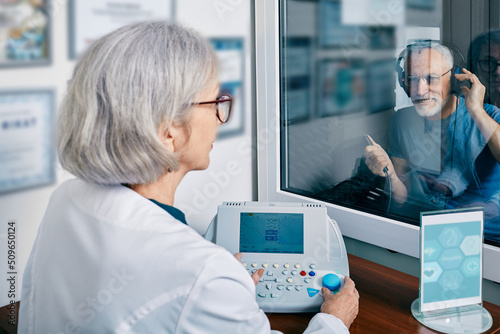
269	273
269	286
307	280
275	265
263	295
244	264
294	272
284	272
286	265
289	280
264	265
298	287
297	266
289	287
280	287
274	295
312	266
254	264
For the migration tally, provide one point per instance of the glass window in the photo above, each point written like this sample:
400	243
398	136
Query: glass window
372	115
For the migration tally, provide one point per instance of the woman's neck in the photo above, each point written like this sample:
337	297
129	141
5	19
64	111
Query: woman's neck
163	189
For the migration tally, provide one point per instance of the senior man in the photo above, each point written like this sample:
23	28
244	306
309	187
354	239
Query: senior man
444	150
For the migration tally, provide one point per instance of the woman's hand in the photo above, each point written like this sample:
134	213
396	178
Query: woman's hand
256	276
343	305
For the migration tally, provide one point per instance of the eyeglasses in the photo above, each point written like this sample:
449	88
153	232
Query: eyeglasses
488	65
222	106
414	80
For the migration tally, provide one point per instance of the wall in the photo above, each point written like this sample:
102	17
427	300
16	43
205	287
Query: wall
229	176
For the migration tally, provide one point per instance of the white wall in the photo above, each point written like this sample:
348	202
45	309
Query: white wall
228	178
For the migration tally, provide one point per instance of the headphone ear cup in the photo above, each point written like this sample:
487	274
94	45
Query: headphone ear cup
401	79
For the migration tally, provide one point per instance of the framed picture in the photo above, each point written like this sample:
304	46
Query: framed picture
296	71
26	139
91	19
341	87
24	33
230	54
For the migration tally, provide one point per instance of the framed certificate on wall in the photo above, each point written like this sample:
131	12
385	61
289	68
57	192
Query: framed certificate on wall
91	19
24	33
27	152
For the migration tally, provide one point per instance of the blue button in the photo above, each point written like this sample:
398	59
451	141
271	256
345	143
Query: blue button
312	273
312	292
331	282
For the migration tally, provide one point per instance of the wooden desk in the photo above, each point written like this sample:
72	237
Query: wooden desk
384	304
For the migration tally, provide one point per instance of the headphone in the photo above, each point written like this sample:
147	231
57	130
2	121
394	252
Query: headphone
458	63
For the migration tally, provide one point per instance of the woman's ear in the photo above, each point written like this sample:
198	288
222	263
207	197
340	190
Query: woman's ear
172	137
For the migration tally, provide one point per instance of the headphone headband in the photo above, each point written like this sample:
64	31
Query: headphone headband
458	58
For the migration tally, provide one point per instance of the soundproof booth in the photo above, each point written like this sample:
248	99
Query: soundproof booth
334	85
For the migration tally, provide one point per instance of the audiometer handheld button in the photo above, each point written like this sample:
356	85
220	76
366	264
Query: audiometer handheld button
303	273
312	273
331	282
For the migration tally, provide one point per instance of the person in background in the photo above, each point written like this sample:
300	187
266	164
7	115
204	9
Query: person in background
444	151
112	254
483	60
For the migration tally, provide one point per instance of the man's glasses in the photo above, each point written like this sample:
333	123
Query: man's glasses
430	79
488	65
222	106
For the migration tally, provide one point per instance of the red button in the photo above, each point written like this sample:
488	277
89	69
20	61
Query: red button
303	273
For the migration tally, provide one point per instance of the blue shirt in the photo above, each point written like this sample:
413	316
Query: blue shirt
174	212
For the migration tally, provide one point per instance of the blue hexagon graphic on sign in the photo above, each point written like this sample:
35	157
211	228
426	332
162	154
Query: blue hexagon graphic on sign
471	245
432	249
432	272
450	237
451	280
451	258
471	266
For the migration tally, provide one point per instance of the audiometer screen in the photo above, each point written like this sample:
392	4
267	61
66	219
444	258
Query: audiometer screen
271	232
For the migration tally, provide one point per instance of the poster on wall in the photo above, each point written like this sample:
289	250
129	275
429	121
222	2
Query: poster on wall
91	19
297	77
341	87
230	55
24	33
26	139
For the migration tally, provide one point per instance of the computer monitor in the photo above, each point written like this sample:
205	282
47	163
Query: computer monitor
321	158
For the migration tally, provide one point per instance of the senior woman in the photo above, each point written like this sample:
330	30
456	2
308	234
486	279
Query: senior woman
112	254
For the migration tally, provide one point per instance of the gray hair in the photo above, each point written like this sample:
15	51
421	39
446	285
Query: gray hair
424	45
125	87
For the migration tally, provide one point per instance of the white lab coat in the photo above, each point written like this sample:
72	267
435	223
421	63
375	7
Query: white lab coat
108	260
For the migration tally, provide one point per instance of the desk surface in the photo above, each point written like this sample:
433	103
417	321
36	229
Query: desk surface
384	304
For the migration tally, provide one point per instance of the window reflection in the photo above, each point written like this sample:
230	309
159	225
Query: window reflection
372	124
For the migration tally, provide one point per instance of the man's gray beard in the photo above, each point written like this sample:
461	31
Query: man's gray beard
424	112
